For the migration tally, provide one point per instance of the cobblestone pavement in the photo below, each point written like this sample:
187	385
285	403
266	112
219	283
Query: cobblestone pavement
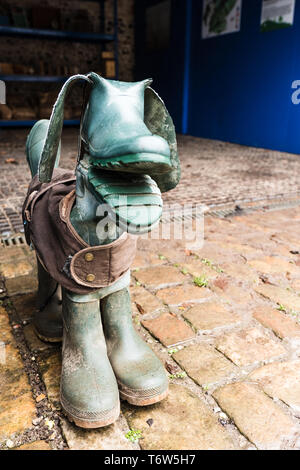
213	173
225	321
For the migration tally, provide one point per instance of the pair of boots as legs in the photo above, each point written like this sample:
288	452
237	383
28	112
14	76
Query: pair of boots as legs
103	358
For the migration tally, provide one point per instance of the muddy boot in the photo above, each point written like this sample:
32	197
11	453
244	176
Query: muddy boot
89	391
141	377
47	319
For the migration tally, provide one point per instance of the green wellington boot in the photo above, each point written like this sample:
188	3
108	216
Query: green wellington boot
125	128
35	143
114	133
141	377
47	320
88	391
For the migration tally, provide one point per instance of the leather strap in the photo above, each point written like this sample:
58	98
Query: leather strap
51	145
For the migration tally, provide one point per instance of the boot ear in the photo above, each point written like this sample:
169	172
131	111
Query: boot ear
49	152
159	122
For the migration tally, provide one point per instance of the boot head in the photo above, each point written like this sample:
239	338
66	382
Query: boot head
114	133
128	143
125	127
128	139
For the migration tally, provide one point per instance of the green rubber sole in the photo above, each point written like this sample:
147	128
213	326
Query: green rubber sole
135	163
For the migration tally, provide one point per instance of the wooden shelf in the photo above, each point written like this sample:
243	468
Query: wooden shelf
33	78
27	123
52	34
56	35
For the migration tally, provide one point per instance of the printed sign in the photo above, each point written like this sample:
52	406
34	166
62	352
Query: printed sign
2	92
277	14
220	17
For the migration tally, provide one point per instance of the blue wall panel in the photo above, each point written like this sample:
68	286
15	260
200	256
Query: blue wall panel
240	83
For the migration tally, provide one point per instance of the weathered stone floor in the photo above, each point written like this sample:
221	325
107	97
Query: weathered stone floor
231	347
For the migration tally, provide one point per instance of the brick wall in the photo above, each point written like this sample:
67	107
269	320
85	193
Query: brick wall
74	56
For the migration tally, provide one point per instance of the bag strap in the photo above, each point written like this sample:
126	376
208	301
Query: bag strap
48	156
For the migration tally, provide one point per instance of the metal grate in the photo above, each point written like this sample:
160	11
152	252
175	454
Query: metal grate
247	209
14	240
18	239
233	210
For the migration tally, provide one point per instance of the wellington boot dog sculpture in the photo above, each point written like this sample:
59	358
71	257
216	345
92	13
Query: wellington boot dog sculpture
83	227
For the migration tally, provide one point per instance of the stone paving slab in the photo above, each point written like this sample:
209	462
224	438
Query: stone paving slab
108	438
231	348
280	296
37	445
230	291
182	422
208	316
158	277
185	294
282	325
169	329
25	305
17	408
249	346
256	415
204	364
281	381
22	284
145	301
50	367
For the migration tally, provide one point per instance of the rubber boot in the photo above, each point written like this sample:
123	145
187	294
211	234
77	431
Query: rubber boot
89	391
113	131
141	377
48	317
35	143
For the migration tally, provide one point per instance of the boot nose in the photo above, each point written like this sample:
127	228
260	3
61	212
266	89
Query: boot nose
152	144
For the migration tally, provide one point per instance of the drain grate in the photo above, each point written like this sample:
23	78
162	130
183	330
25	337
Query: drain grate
228	212
271	205
18	239
14	240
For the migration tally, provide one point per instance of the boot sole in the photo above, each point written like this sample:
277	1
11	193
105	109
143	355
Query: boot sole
47	339
91	424
136	163
143	401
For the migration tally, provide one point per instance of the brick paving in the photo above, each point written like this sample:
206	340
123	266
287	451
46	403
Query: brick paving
213	173
231	347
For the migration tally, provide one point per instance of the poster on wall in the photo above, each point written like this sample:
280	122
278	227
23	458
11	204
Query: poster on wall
277	14
220	17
